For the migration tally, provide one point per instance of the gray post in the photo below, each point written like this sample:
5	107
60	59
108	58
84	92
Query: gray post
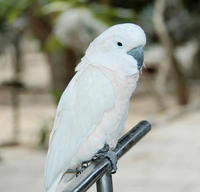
104	184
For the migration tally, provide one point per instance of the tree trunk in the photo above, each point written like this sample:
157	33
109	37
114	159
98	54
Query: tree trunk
196	64
16	90
166	41
61	61
62	64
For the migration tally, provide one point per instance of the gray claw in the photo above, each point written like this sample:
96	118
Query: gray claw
85	164
76	171
104	149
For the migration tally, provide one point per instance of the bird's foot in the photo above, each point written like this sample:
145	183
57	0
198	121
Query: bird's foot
105	152
80	169
85	164
76	171
104	149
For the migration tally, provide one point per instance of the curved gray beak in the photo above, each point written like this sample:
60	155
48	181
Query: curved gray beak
138	55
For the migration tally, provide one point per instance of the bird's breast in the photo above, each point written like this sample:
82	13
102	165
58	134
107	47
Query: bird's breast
113	121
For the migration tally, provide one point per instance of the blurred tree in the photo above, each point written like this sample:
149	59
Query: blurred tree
11	30
62	54
193	8
64	28
41	17
171	64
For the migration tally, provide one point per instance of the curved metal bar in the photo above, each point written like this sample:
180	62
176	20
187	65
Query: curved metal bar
95	171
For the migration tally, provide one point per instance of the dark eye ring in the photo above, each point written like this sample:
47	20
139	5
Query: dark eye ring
119	43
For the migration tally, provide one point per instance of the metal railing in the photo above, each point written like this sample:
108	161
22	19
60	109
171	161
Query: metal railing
98	171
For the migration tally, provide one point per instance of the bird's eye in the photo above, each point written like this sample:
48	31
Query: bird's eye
119	44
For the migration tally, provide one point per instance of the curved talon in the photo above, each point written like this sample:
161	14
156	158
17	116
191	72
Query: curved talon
104	149
85	164
76	171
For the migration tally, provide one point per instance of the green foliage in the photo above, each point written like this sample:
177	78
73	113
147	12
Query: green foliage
52	44
107	14
11	10
44	134
54	7
111	15
56	95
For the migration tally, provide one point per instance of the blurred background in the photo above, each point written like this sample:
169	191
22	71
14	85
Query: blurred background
41	42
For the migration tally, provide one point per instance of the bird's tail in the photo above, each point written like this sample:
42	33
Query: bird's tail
68	177
53	186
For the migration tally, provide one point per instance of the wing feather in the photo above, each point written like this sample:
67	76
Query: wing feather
81	109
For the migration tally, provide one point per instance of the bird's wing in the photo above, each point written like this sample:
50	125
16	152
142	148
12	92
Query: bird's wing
81	109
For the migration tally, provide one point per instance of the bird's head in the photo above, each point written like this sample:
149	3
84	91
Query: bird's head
119	48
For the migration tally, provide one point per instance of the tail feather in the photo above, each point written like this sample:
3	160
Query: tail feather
68	177
53	186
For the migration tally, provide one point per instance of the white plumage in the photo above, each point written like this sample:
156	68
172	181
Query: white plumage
93	108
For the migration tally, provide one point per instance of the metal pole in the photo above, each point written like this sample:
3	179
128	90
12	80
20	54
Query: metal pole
99	167
105	183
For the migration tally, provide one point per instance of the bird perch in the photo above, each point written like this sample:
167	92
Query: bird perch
98	172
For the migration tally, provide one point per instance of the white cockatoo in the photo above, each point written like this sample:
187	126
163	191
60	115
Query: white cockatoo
94	107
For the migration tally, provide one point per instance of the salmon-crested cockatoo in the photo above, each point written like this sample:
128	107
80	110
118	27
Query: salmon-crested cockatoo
94	107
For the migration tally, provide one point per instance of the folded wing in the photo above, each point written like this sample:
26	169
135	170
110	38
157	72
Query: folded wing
81	109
